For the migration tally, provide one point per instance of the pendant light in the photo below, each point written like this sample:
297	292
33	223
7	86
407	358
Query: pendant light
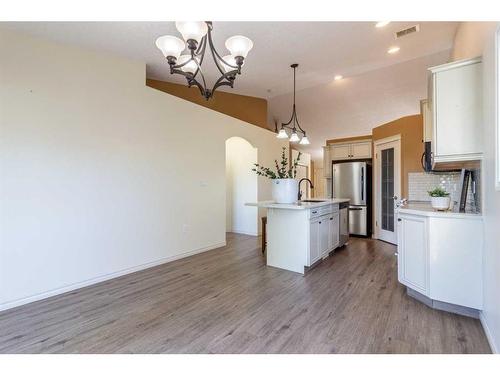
293	123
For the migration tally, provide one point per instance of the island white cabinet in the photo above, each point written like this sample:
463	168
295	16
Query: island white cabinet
301	234
314	241
333	233
441	257
323	235
456	105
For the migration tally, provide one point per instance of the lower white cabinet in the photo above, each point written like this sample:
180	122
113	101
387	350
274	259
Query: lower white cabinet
413	253
323	234
333	233
441	257
314	241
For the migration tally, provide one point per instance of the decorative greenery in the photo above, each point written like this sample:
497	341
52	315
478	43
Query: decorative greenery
438	192
282	168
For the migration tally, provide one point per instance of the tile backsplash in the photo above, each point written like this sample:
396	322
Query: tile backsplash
419	183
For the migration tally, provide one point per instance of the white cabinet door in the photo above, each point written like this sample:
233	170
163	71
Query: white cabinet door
457	111
327	162
324	235
340	152
413	260
361	150
314	241
333	238
335	228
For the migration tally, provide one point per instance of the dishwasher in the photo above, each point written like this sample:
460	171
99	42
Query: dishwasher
343	223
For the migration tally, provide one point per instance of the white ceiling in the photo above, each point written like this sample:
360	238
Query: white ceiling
357	104
323	49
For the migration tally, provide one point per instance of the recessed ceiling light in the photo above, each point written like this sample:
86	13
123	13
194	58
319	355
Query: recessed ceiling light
393	49
338	77
382	23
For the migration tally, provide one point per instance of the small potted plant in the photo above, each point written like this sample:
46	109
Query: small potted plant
440	199
285	187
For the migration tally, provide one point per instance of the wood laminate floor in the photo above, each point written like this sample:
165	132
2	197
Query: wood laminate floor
227	301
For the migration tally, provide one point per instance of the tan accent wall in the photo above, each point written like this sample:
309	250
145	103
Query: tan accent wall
246	108
412	147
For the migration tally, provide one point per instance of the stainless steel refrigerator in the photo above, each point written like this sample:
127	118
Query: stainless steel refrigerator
352	180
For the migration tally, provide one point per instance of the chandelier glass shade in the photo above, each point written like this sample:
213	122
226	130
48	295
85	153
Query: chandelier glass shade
293	123
197	37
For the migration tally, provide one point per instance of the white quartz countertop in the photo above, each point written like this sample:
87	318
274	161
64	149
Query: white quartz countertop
298	205
425	209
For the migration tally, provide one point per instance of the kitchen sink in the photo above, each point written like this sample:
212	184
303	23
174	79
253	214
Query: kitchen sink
312	201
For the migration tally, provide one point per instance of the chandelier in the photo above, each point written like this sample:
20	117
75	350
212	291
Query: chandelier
197	35
293	124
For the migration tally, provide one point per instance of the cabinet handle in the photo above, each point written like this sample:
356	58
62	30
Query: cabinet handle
320	222
331	218
315	212
395	254
399	219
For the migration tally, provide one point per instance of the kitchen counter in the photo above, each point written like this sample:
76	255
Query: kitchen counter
298	205
425	209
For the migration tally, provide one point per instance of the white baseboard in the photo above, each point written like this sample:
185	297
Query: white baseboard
488	333
95	280
244	232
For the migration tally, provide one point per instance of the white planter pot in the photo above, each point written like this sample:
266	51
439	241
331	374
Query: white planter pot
285	190
440	203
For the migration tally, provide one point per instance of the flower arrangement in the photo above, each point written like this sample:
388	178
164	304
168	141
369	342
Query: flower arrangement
282	168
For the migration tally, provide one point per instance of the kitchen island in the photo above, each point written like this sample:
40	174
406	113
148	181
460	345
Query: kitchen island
300	234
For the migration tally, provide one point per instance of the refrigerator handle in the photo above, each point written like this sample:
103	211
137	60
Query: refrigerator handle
362	183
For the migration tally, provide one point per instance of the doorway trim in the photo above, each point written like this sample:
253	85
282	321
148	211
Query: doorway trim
376	178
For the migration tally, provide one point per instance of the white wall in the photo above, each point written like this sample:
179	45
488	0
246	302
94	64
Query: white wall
101	175
473	39
241	187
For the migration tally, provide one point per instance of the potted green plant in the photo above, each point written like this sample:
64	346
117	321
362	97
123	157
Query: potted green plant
285	187
440	199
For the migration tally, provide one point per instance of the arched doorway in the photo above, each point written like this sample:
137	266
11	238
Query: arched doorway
241	187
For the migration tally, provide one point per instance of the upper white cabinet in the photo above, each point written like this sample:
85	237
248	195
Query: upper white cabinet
456	106
361	150
340	151
345	151
327	162
425	110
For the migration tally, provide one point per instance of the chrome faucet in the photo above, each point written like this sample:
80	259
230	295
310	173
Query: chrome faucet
310	184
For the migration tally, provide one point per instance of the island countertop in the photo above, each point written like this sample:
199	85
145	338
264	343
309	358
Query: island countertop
313	203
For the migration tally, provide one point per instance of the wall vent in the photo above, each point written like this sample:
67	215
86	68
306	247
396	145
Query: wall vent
408	31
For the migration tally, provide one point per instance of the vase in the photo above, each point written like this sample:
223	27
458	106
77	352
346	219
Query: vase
285	190
440	203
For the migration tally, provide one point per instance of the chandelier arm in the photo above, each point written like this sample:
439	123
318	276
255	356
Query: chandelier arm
198	64
221	82
216	57
192	81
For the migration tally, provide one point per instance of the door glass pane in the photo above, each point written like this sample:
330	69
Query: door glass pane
387	189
